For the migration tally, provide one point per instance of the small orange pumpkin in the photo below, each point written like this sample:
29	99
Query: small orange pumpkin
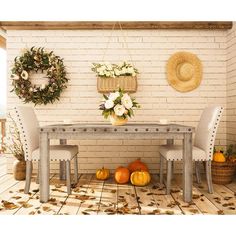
122	175
219	157
140	178
137	165
102	174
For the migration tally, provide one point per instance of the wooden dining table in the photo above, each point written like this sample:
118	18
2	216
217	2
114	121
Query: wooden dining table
96	131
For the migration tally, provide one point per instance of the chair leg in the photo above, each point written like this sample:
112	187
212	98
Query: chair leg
28	176
76	168
161	169
169	173
172	170
208	176
197	170
68	177
38	174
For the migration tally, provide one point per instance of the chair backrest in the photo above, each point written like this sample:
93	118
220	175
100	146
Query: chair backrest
207	128
28	126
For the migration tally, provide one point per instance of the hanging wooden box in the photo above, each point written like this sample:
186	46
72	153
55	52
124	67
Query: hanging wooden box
126	83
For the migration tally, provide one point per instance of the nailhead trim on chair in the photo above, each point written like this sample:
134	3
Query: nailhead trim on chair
212	139
210	154
23	140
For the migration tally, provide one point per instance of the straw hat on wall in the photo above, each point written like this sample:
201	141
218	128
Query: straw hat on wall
184	71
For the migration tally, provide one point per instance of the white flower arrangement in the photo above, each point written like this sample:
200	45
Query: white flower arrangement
119	104
112	70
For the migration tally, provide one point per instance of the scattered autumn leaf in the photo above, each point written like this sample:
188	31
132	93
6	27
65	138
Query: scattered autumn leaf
220	212
9	205
16	197
46	208
194	211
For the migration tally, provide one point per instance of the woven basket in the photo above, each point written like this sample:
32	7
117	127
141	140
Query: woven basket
222	172
126	83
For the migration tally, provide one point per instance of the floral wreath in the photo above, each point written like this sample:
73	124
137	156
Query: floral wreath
37	59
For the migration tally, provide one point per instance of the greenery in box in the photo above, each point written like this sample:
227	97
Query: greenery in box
109	70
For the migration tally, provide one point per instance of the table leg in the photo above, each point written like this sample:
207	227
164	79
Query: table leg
171	142
187	167
63	163
44	167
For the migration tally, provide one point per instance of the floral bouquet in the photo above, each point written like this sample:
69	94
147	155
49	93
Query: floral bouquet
112	70
118	106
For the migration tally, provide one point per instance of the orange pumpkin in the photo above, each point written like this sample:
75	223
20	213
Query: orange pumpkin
140	178
137	165
219	157
102	174
122	175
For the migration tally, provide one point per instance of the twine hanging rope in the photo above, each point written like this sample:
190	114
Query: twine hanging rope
124	39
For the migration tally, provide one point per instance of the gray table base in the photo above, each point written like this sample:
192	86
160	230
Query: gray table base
102	131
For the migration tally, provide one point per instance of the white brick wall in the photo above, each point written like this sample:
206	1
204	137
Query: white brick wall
231	85
150	51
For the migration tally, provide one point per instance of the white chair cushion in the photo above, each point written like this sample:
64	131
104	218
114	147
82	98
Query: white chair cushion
58	152
175	153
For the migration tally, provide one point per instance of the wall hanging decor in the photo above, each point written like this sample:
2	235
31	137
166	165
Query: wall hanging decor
118	106
110	76
184	71
34	60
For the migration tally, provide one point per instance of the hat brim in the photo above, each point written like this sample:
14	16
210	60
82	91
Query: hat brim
172	76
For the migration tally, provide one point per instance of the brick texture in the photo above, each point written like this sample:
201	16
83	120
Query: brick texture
150	50
231	86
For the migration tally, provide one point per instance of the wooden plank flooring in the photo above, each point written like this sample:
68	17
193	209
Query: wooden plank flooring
90	196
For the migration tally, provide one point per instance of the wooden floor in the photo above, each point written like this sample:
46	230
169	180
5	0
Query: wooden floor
91	196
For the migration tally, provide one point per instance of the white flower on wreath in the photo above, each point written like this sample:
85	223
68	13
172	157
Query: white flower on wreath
43	86
126	101
15	77
119	110
114	96
24	75
109	104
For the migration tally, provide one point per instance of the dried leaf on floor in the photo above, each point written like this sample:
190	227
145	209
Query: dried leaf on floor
174	190
26	205
220	212
228	204
143	190
32	213
46	208
227	198
194	211
113	191
16	197
52	199
169	212
82	198
155	212
231	208
9	205
35	190
196	196
171	204
85	213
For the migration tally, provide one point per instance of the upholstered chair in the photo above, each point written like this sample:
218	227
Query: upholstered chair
202	149
28	126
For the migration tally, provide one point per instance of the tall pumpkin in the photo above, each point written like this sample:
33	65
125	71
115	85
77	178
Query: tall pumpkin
137	165
122	175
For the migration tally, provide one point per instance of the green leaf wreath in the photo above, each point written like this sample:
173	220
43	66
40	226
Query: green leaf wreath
37	59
